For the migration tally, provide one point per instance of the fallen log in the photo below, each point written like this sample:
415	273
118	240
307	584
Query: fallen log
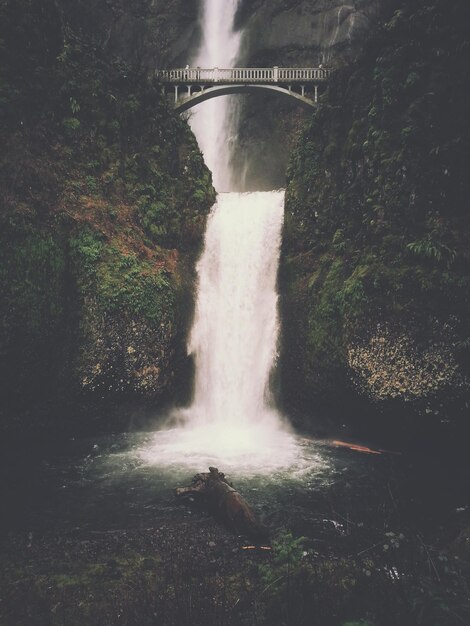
357	448
225	503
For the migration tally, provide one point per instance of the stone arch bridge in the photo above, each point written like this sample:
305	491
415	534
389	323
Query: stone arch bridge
192	86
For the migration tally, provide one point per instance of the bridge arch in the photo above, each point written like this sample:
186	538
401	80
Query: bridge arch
186	103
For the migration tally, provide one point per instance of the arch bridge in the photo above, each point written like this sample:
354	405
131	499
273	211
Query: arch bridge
193	85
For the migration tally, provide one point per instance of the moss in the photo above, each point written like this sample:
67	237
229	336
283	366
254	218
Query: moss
105	195
125	282
31	279
376	228
33	304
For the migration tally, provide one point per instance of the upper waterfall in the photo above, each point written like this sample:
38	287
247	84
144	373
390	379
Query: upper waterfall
211	123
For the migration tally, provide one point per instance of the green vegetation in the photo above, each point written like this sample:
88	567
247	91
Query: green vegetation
133	579
32	283
122	281
104	199
376	233
286	561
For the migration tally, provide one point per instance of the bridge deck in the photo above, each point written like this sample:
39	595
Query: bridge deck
252	75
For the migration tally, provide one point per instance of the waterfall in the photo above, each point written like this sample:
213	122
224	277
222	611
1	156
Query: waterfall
235	329
234	335
211	121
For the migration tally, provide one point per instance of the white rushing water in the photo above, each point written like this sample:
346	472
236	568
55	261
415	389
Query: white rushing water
235	330
210	121
234	341
234	338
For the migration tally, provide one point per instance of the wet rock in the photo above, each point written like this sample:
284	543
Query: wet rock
302	33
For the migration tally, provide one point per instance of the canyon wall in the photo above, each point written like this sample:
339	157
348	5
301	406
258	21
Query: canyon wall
104	199
375	265
290	33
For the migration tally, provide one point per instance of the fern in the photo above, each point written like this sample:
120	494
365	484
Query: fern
428	249
464	344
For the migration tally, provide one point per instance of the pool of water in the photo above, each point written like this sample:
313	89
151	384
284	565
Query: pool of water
127	481
84	515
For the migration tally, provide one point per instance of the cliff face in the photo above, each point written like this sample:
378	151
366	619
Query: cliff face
104	198
143	33
375	266
302	32
290	33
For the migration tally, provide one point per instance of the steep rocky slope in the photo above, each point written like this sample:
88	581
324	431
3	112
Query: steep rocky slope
144	33
290	33
301	32
376	251
104	195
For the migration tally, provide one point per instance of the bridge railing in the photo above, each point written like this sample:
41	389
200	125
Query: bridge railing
306	74
243	75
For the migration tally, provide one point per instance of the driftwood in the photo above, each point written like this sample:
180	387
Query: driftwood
225	503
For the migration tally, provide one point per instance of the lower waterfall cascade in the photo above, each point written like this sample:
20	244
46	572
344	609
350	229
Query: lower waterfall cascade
234	341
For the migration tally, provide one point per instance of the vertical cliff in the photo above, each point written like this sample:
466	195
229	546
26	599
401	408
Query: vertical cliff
143	33
290	33
376	251
104	196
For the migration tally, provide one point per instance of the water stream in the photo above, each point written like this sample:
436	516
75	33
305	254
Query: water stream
234	342
211	122
234	336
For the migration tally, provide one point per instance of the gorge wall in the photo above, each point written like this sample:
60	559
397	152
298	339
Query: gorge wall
375	265
104	198
289	33
144	33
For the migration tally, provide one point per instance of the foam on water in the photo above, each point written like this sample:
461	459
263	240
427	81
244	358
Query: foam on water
250	449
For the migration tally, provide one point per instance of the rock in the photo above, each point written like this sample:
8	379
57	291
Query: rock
301	33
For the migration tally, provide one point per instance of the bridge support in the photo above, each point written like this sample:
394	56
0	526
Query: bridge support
316	93
220	90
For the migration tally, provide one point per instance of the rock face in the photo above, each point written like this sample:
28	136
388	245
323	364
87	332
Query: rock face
155	33
143	33
303	32
392	365
289	33
375	263
104	199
